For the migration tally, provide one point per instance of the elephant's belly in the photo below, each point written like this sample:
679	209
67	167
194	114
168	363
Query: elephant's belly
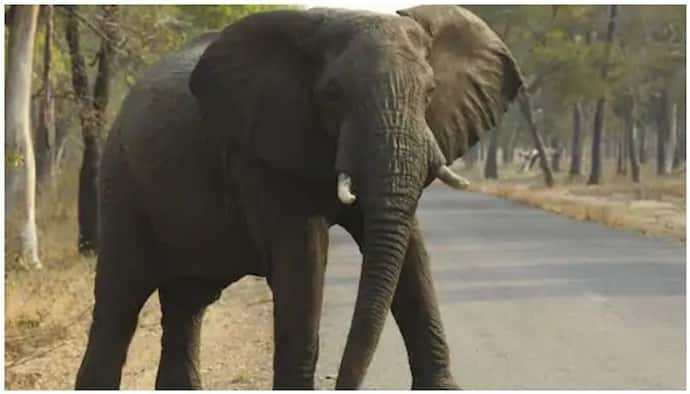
203	240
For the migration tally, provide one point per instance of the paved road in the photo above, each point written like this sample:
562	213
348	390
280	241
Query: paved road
530	300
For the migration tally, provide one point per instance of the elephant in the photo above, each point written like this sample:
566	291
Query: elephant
234	155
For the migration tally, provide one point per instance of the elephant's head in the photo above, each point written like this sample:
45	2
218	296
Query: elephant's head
381	102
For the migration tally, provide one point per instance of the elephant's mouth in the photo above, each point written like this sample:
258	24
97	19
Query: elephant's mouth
442	172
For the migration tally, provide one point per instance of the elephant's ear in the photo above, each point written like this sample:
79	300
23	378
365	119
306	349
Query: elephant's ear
255	83
476	76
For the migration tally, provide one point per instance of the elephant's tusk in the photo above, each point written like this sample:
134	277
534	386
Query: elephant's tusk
447	176
344	189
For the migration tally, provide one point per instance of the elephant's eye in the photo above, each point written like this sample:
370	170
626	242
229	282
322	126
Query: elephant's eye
430	92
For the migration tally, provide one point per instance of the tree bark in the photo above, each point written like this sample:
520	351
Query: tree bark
630	137
671	137
92	117
526	107
679	158
597	136
509	147
660	131
18	126
576	150
679	155
642	132
556	154
491	165
595	172
622	158
45	141
666	132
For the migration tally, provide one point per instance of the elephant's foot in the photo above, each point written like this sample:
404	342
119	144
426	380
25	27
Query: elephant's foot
442	381
293	382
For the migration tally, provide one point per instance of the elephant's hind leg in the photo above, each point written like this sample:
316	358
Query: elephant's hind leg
183	303
123	284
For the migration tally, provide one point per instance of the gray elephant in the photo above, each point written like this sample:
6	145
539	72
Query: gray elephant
234	155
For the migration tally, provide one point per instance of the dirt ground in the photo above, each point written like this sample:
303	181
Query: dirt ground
236	345
48	312
655	207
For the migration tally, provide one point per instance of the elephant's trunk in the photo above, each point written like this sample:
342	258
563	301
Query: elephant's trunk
389	197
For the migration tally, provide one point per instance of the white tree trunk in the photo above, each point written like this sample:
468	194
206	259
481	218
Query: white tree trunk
17	125
671	137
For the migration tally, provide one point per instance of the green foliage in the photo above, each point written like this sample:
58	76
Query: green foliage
14	159
560	48
147	32
563	48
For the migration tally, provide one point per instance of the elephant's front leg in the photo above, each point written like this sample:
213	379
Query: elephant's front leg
296	279
416	312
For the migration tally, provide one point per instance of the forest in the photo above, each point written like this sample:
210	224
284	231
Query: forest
602	118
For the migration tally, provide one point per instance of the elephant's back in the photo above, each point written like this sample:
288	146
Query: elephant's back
159	120
171	163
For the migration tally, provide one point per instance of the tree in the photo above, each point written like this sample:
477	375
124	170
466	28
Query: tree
679	155
92	116
45	137
597	136
509	146
17	122
491	165
631	135
642	144
576	145
622	154
526	107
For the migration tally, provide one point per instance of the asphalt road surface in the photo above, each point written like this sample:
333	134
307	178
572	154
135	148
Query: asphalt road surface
530	300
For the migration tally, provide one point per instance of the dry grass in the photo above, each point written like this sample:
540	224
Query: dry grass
43	308
48	312
655	207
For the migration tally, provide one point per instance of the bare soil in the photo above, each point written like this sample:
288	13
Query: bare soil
236	345
48	313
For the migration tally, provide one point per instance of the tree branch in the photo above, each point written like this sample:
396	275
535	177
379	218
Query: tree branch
116	45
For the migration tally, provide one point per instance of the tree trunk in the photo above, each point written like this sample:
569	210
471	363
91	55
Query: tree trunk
87	204
509	147
595	172
630	136
18	125
679	157
622	158
597	136
576	150
642	131
45	141
666	132
92	116
556	154
671	137
660	140
491	166
526	108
